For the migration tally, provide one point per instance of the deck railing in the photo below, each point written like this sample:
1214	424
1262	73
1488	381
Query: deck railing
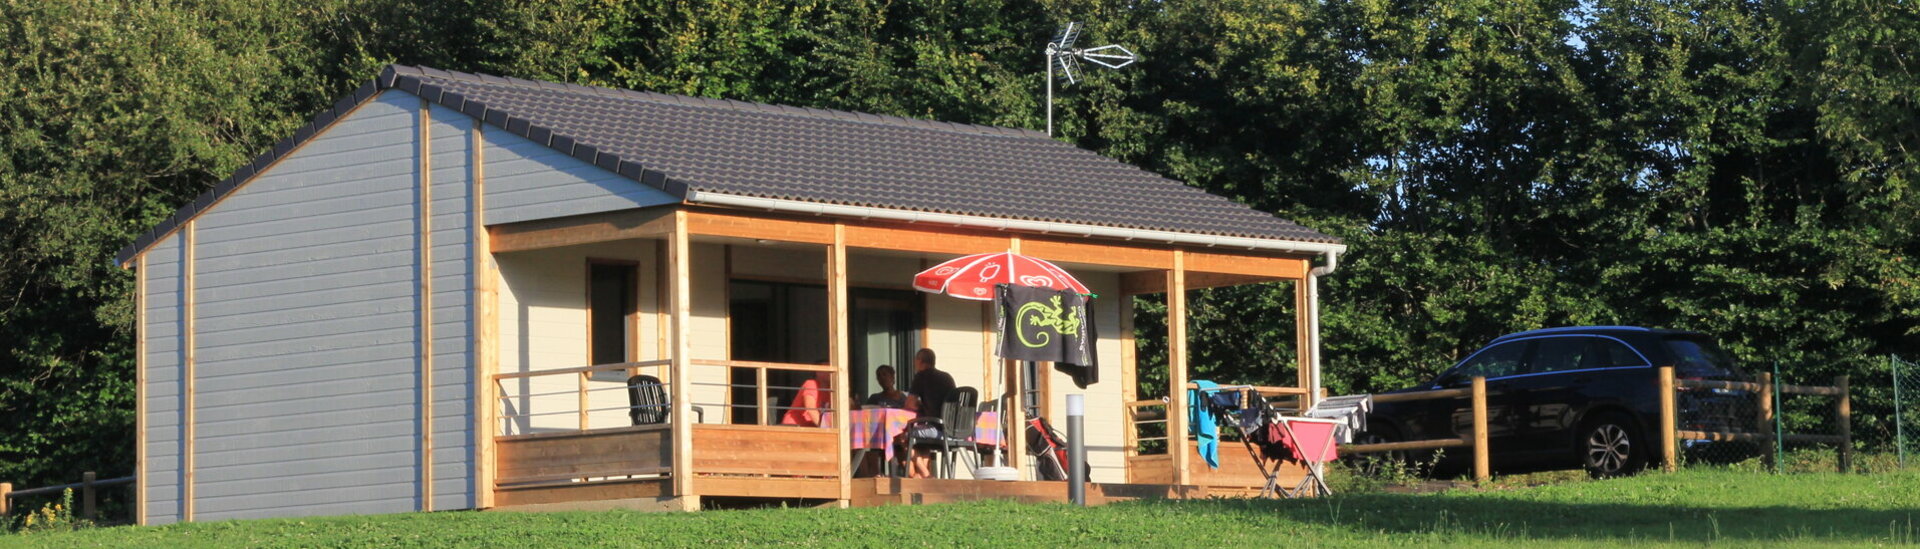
770	399
536	401
1144	415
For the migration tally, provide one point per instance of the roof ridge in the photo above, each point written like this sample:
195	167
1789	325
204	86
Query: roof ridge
728	104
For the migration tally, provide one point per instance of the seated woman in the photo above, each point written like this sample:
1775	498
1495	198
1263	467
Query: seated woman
890	395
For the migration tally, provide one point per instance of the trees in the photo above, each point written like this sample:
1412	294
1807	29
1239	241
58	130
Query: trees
1740	168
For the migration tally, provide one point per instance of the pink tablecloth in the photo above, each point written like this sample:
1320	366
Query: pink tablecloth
986	430
875	428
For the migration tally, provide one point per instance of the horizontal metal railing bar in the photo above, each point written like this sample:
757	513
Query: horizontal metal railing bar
1262	389
583	369
63	487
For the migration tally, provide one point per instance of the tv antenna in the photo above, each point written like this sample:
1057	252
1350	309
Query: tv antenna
1062	55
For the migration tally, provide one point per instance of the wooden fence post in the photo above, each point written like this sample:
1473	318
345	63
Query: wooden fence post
1669	459
6	499
86	494
1765	425
1482	466
1843	413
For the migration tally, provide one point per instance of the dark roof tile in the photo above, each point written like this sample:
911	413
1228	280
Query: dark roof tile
681	143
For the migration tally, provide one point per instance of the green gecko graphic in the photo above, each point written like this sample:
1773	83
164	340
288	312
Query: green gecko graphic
1061	320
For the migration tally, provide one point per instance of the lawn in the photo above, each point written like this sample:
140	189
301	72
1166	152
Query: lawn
1692	508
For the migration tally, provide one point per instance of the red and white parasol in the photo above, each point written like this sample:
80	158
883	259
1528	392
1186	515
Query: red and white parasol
973	277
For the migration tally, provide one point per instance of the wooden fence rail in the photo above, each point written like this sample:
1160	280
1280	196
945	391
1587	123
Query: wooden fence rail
1765	388
1477	440
88	487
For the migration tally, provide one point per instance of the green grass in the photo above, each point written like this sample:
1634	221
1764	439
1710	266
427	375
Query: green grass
1692	508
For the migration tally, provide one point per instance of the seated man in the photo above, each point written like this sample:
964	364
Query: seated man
890	395
931	388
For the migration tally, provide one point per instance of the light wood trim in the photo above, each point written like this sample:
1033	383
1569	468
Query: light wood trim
1406	445
1063	251
1129	380
582	229
758	227
916	239
580	369
838	330
1482	467
581	381
485	298
425	287
1153	282
761	407
772	487
1669	459
1424	395
188	397
1303	342
1250	265
680	262
1016	403
140	274
1177	444
765	365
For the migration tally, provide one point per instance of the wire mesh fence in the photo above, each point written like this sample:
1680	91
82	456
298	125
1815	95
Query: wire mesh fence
1765	422
1906	411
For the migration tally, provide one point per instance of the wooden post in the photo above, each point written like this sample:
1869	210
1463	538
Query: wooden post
760	396
139	392
6	498
1843	414
837	330
1016	402
582	389
87	498
1482	465
1764	420
188	335
680	269
1303	342
1129	385
485	306
1669	420
425	302
1178	448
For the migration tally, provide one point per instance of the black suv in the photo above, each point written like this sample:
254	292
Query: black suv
1560	398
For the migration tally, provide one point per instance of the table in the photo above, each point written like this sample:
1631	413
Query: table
875	428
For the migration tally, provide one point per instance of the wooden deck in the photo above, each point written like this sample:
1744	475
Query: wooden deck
875	492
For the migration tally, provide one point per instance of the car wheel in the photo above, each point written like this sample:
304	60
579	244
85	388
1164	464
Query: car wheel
1611	446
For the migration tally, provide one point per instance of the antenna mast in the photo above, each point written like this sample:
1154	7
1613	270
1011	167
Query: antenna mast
1061	53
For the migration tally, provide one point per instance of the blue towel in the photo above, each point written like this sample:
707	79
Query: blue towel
1200	423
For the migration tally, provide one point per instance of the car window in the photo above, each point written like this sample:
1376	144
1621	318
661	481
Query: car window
1607	353
1694	358
1497	361
1559	354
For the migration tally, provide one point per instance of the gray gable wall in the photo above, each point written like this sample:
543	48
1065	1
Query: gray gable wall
308	312
161	478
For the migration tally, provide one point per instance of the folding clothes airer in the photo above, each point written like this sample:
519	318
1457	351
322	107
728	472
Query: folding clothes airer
1273	439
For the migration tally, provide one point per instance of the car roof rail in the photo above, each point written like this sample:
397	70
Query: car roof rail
1573	330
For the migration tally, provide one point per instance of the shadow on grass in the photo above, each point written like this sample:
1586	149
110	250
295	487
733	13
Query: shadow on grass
1498	517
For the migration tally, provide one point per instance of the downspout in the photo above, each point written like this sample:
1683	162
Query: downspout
1313	320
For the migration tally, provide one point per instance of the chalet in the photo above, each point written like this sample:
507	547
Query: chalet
435	294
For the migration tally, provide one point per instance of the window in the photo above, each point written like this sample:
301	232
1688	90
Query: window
1559	354
1500	360
611	306
1612	354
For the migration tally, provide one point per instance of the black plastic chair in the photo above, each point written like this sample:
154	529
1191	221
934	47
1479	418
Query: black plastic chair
648	404
952	433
